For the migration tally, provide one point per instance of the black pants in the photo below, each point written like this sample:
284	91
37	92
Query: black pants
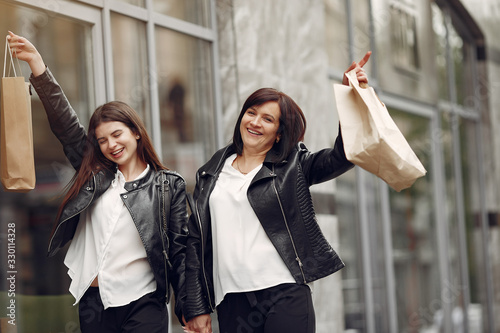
147	314
285	308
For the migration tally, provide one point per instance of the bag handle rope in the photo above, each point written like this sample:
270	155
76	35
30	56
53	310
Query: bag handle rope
8	49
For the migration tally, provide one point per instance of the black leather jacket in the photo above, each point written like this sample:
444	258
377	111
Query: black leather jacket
279	195
142	199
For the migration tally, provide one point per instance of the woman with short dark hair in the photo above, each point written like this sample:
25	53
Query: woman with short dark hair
254	243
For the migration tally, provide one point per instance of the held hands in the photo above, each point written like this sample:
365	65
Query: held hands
360	72
22	49
199	324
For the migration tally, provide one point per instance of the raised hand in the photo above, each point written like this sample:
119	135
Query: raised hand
360	72
22	49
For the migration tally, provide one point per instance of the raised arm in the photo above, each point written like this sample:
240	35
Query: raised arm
62	118
25	51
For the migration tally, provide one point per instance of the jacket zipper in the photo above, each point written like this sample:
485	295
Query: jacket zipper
164	220
203	257
297	258
60	224
163	232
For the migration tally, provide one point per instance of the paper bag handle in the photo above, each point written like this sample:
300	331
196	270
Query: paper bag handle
351	76
353	79
7	47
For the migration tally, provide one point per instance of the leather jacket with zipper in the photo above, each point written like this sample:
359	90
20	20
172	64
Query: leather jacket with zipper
143	198
280	197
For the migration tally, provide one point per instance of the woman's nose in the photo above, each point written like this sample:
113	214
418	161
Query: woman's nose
111	143
255	121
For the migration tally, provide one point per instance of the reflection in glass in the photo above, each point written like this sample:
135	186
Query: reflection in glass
194	11
186	101
376	245
414	236
461	61
350	252
439	28
404	38
462	65
42	297
130	65
477	313
456	285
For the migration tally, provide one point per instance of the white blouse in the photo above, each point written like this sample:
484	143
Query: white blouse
244	257
107	245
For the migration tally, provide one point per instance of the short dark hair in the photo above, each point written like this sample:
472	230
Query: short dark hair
292	122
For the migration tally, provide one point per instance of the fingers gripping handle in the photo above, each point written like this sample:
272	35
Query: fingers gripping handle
8	50
353	79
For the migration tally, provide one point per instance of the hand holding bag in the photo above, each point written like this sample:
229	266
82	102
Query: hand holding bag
17	161
371	138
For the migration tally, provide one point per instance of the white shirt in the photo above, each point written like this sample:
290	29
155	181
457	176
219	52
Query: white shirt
107	244
244	257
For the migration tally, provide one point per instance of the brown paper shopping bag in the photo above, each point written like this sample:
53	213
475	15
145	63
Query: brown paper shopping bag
17	162
371	138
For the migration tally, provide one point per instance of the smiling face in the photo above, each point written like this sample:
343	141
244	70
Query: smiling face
117	142
259	126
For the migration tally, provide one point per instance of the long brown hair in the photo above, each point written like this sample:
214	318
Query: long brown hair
292	121
93	160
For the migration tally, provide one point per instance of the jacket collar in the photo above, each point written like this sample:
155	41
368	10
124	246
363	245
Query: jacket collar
108	176
141	182
217	161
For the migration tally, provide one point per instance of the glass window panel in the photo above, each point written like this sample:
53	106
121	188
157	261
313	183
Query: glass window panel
377	254
337	42
477	313
130	64
459	64
185	90
404	38
406	57
439	28
456	286
462	58
414	236
194	11
350	252
43	302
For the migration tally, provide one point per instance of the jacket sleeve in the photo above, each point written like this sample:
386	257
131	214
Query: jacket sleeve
197	300
325	164
62	118
177	234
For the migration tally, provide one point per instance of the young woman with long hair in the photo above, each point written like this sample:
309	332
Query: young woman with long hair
124	212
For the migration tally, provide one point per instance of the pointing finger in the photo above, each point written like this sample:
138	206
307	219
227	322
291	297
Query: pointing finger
365	59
